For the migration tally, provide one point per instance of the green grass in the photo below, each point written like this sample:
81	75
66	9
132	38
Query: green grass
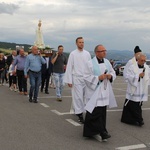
5	51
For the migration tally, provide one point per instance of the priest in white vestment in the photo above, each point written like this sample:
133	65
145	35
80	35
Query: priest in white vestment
138	77
132	61
74	77
99	75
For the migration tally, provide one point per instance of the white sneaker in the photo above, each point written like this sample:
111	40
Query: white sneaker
10	88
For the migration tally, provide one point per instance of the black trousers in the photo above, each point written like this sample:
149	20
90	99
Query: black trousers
12	79
95	122
132	112
22	81
45	80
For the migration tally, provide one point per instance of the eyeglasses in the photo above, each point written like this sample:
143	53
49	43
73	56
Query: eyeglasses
143	60
101	51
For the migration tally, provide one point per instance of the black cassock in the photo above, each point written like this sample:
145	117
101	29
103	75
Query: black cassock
132	113
95	122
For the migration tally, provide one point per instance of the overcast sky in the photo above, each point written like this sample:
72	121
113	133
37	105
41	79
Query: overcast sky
117	24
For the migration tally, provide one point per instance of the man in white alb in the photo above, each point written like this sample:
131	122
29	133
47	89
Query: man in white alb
74	77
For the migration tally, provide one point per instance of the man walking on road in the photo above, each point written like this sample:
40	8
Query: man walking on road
32	68
59	62
19	62
99	75
74	77
138	78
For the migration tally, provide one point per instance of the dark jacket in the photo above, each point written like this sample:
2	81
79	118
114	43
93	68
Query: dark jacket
2	63
50	67
9	60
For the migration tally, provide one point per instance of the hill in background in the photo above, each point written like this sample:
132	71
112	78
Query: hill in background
120	54
7	45
111	54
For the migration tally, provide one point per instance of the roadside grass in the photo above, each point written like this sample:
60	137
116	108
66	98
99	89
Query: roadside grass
5	51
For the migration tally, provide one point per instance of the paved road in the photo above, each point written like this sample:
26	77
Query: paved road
49	126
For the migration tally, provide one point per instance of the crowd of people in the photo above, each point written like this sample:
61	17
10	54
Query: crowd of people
90	80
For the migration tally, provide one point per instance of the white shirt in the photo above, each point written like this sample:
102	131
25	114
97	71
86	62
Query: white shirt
47	62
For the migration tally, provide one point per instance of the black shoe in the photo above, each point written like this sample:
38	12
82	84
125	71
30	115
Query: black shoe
35	101
59	99
46	92
80	118
41	90
139	123
105	136
30	100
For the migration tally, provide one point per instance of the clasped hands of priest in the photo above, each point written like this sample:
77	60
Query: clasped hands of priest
141	75
105	76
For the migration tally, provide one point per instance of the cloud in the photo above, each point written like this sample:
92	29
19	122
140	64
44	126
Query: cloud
8	8
114	23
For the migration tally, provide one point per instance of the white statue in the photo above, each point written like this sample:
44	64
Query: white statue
39	37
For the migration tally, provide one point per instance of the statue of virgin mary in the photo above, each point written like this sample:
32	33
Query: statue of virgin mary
39	37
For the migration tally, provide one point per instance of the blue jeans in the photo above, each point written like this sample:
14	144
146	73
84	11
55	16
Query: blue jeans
58	78
35	81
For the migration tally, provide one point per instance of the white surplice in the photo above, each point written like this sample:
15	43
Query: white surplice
99	94
137	90
74	75
129	63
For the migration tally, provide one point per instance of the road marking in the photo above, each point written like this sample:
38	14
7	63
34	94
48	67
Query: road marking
60	114
44	105
56	112
119	89
68	113
138	146
114	110
145	108
73	122
46	97
120	96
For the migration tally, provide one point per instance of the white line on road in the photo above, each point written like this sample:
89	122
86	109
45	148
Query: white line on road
56	112
115	110
68	113
60	114
138	146
73	122
46	97
44	105
119	89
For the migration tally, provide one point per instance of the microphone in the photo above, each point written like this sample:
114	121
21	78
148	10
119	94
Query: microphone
105	71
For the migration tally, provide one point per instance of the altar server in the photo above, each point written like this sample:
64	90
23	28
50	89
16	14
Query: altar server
74	77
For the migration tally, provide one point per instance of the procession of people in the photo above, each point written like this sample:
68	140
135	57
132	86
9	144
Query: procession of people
90	81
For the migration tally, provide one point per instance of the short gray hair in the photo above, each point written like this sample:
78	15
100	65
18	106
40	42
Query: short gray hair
140	55
96	48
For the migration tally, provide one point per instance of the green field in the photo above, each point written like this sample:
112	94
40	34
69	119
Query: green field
5	51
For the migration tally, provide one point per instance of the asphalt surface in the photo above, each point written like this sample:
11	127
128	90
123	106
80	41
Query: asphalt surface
48	125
